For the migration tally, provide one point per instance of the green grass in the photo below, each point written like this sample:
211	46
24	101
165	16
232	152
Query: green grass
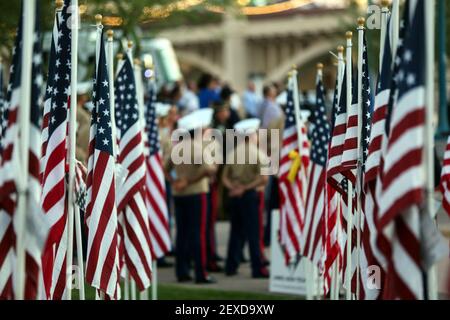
175	292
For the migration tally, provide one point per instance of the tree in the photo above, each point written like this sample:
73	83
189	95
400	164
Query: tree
132	13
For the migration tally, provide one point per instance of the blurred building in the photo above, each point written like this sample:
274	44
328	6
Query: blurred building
264	41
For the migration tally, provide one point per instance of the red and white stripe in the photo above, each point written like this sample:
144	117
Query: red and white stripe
8	199
292	194
403	181
349	159
157	207
131	203
445	179
102	265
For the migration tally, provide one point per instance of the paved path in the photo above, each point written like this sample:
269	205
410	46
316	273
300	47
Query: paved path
243	281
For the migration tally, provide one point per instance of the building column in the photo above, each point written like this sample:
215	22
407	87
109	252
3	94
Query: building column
235	50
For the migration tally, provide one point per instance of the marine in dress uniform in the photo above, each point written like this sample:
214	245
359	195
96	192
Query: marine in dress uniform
244	182
190	186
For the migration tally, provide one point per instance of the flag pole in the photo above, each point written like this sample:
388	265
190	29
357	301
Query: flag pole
395	25
72	145
341	69
429	131
155	280
110	60
149	65
383	28
348	276
361	23
79	253
309	269
28	22
334	295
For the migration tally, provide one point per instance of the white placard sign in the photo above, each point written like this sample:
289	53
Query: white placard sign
289	279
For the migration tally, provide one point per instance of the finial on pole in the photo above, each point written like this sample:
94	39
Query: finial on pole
385	3
320	66
98	19
59	4
119	56
361	22
137	62
130	44
148	62
340	49
110	34
349	35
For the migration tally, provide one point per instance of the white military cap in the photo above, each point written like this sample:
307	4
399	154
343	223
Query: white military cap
198	119
84	87
247	126
162	109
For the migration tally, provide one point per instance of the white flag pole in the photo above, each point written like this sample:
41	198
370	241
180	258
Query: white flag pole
429	130
395	26
110	59
361	23
79	253
126	285
155	280
133	289
348	281
72	144
383	29
28	22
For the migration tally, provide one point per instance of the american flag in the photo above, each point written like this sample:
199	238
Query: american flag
368	229
292	193
155	183
8	147
54	202
336	149
333	234
49	93
316	196
350	159
131	195
445	180
402	175
102	265
336	173
372	241
35	234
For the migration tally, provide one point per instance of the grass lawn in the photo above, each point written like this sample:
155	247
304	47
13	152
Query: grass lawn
174	292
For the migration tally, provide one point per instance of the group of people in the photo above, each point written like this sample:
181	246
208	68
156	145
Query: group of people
197	191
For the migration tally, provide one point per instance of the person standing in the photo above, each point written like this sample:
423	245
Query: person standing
190	186
252	101
243	180
272	118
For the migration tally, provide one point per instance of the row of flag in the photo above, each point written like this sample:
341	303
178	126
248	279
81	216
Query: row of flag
363	206
121	192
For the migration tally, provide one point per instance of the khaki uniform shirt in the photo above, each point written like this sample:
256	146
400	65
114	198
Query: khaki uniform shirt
83	128
189	170
250	170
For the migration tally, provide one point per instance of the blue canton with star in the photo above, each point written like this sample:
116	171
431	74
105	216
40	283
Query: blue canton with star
289	110
101	116
151	123
60	90
366	107
127	111
321	131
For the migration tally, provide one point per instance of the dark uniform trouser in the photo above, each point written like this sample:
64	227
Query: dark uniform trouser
245	224
211	225
190	214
